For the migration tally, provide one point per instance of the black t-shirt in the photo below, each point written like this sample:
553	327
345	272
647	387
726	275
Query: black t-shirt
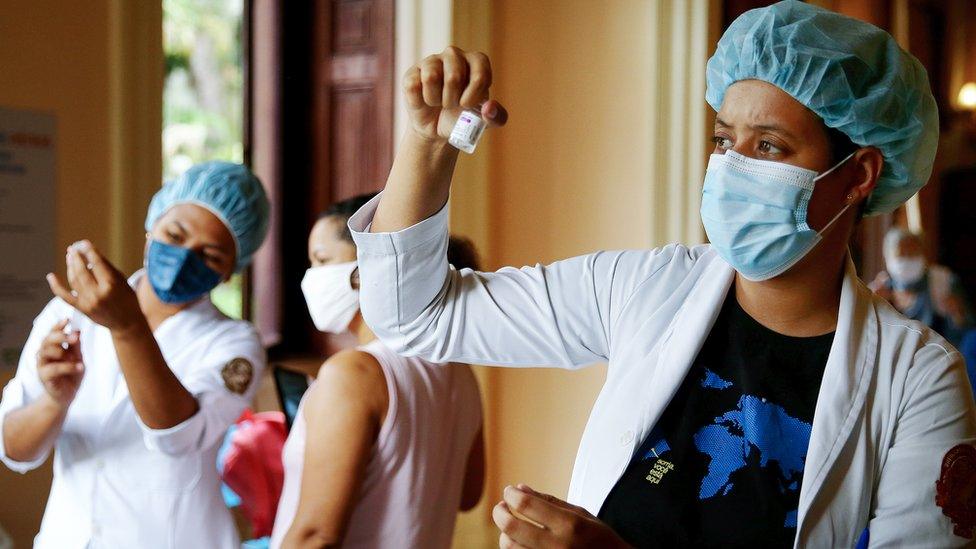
723	465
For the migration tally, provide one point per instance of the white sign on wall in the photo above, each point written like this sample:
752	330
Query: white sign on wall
27	223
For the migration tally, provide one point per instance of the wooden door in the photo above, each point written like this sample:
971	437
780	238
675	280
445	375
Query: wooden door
337	131
352	101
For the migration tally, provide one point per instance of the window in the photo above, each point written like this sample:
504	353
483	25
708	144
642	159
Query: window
203	105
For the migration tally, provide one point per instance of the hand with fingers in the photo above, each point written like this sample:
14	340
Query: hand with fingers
59	365
97	289
437	88
530	519
881	285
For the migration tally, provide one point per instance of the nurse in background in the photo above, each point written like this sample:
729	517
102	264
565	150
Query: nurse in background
931	294
385	449
133	382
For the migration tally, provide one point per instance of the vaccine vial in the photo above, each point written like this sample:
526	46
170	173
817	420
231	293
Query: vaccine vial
69	328
467	130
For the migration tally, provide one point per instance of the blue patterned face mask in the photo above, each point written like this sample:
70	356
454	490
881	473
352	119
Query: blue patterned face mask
178	275
755	213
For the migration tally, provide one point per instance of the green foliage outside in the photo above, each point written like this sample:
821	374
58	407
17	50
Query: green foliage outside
202	97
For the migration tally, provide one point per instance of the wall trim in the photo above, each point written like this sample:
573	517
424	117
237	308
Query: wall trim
136	122
683	34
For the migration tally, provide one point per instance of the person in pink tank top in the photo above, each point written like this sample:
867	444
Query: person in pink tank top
385	449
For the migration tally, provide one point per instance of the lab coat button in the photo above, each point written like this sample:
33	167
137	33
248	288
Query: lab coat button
626	438
99	464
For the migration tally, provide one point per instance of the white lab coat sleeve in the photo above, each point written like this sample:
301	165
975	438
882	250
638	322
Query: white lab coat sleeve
26	386
219	406
935	414
561	314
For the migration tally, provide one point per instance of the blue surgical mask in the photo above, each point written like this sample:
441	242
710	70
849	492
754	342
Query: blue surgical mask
178	275
755	213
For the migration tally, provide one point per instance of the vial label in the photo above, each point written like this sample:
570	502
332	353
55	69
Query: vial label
467	130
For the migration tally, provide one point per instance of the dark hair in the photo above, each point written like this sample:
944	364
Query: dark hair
462	254
840	145
460	251
344	209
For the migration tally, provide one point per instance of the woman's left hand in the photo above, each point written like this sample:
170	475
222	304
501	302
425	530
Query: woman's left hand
97	289
557	523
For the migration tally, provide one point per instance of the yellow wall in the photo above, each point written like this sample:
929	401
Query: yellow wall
77	60
569	175
54	58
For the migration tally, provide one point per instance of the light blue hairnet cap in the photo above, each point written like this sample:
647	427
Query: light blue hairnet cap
231	192
850	73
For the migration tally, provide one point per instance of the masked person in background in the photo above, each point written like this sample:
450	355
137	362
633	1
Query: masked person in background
384	449
134	382
758	393
930	294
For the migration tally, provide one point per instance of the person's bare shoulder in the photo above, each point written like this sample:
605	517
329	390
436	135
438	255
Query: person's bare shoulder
349	378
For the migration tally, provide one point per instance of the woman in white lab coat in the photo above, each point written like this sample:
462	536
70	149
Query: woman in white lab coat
758	394
133	383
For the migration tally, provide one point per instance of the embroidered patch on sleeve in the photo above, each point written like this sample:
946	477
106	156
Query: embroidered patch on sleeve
955	491
237	375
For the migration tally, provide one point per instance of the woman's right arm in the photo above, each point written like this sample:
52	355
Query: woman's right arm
29	432
436	89
35	403
555	315
343	413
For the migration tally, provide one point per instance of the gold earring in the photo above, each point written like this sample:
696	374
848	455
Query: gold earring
850	197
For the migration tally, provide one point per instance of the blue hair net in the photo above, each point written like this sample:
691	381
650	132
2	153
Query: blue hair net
853	75
231	192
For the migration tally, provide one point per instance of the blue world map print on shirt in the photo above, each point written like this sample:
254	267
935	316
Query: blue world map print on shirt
754	426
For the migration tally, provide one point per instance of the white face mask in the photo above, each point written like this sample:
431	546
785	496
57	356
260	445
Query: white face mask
906	271
331	299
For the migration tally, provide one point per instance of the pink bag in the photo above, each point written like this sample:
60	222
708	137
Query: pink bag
252	467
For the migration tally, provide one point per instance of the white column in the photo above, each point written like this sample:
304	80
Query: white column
422	27
684	34
135	113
